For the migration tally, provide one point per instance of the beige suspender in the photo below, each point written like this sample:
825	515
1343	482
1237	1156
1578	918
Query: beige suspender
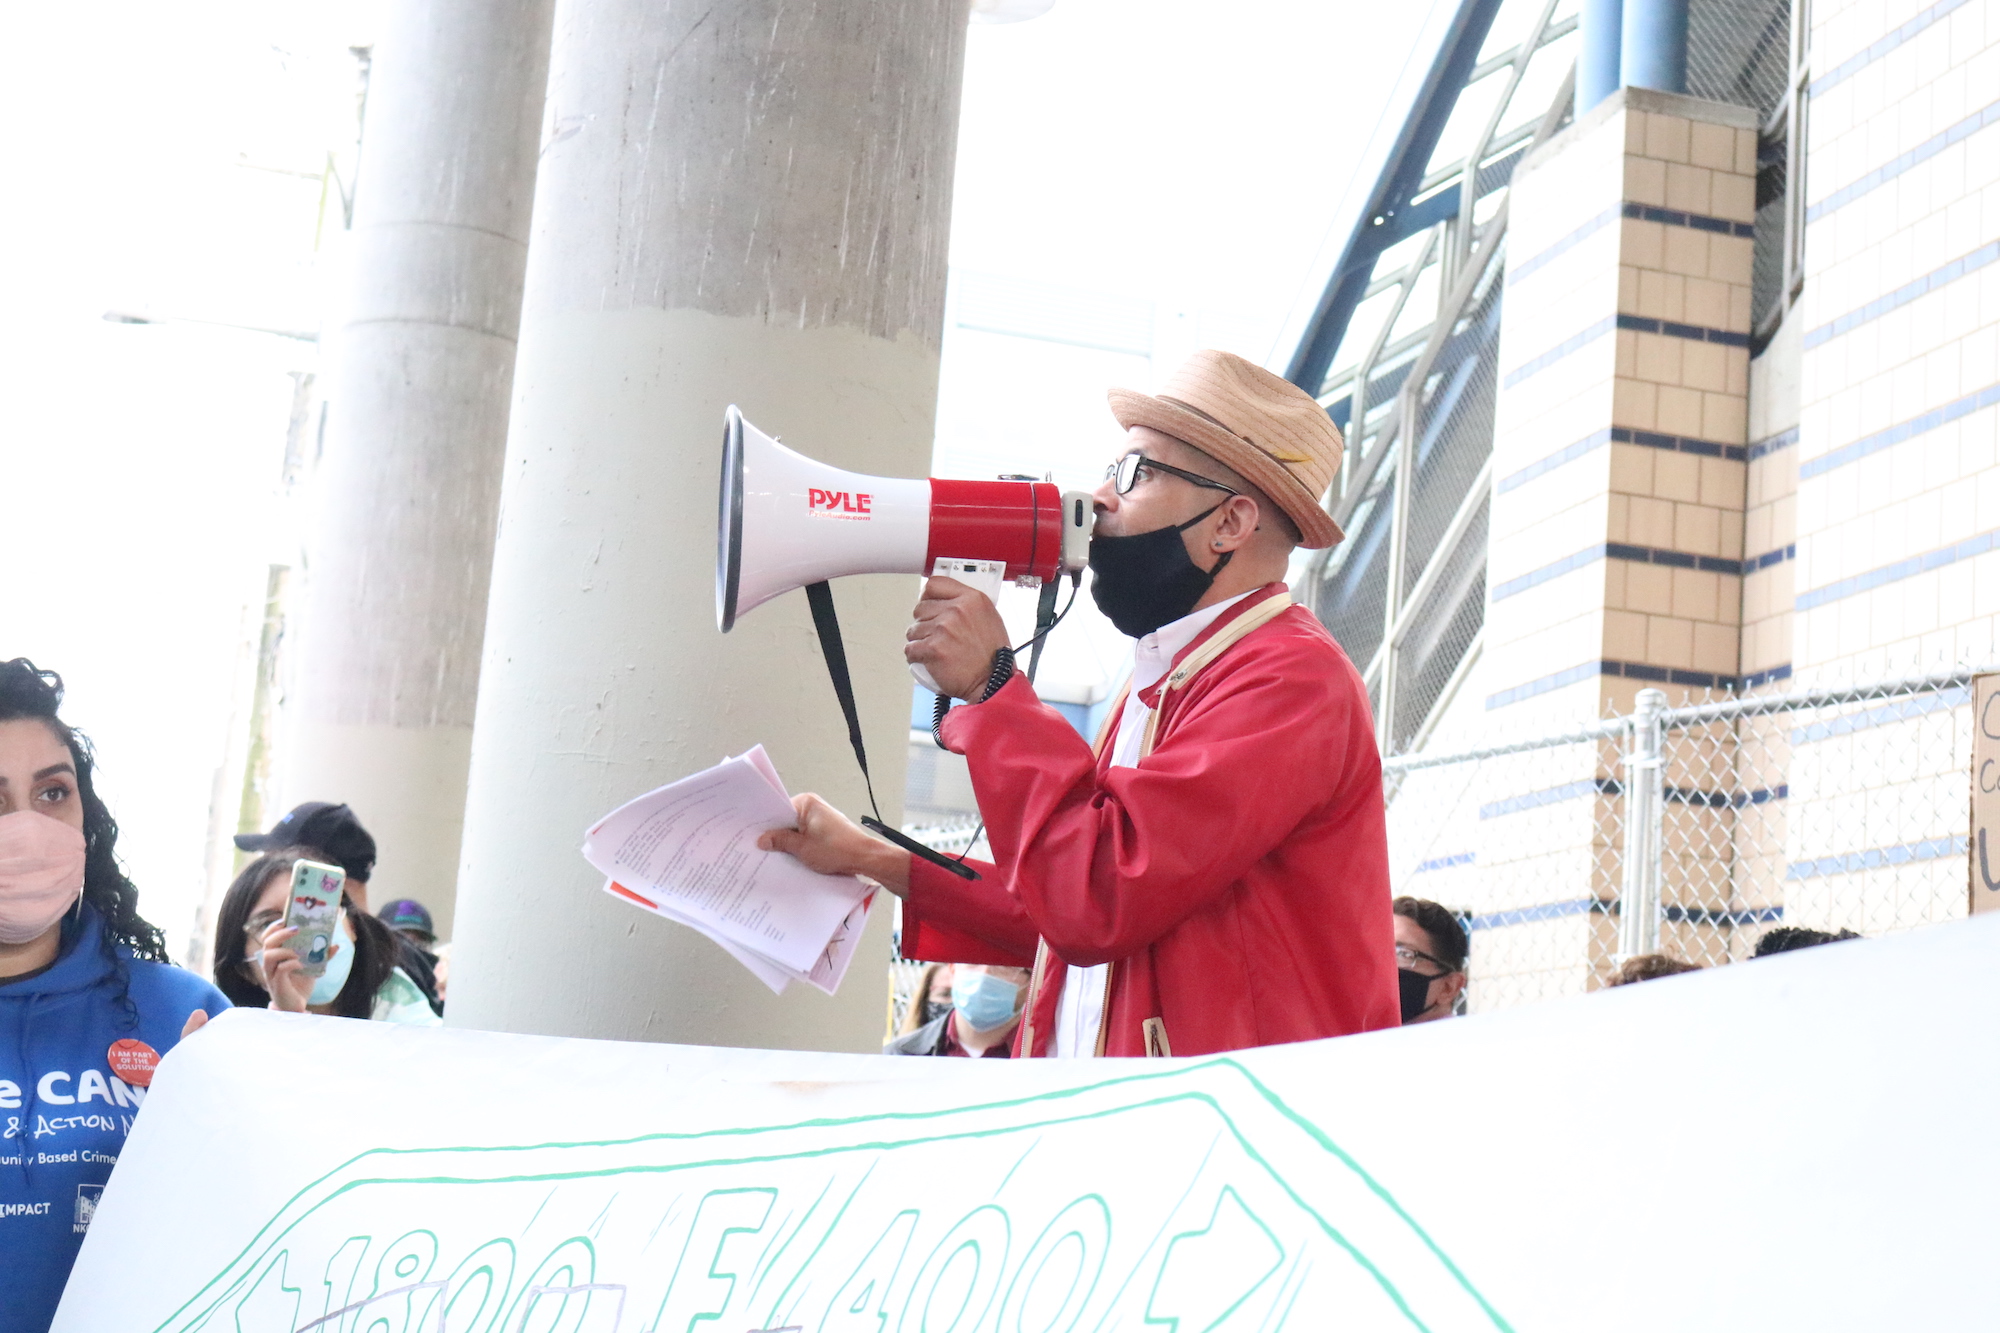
1189	667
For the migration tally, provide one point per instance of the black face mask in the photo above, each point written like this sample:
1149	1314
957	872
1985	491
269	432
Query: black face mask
1145	581
1412	988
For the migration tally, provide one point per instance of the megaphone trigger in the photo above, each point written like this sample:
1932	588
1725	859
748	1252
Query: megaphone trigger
987	576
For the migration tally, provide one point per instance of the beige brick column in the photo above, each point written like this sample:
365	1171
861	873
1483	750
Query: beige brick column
1622	434
1621	442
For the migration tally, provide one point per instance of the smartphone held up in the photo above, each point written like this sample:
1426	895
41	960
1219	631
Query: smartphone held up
314	909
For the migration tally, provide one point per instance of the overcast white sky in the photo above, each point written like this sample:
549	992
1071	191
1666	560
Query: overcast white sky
1190	155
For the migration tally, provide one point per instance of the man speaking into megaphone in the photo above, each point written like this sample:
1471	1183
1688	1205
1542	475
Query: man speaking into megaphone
1213	873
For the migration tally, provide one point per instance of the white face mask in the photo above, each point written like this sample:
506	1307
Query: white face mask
41	874
327	988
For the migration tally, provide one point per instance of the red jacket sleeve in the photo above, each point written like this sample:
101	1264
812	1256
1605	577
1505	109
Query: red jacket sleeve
951	920
1105	865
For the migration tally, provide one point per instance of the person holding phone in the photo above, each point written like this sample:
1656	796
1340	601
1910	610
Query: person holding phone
258	964
332	832
88	999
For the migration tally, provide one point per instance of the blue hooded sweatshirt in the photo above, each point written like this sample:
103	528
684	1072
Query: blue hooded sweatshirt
63	1114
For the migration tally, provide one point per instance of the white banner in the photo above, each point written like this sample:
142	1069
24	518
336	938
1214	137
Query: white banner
1763	1147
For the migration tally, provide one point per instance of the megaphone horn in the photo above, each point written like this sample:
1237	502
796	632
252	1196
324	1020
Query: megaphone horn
786	521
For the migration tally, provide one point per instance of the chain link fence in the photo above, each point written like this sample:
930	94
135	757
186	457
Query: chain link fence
1691	830
1841	807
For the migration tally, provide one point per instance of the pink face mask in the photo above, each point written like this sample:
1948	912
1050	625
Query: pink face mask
41	874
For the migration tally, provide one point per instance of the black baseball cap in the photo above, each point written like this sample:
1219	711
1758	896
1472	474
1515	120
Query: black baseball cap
329	829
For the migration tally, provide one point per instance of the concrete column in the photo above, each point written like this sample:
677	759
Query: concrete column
743	203
401	538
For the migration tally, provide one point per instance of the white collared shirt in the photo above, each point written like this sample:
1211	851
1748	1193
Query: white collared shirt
1080	1011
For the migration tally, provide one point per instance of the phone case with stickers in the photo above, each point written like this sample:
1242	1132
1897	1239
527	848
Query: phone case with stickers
314	908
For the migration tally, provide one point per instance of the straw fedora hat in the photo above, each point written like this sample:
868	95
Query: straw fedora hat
1266	429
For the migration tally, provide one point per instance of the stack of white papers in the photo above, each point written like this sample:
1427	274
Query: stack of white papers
688	852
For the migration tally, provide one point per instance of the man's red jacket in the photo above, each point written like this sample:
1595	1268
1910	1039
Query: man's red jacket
1237	878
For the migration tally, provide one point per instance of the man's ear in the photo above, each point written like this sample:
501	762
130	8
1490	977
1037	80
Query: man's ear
1240	517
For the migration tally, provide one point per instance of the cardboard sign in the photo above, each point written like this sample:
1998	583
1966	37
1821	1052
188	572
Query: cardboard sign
1983	845
1775	1117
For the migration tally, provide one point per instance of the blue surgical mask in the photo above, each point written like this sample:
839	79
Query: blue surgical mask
327	988
986	1001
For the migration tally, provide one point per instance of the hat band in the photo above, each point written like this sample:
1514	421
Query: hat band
1272	454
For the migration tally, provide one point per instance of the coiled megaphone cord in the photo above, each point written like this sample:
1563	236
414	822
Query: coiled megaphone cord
1043	624
941	704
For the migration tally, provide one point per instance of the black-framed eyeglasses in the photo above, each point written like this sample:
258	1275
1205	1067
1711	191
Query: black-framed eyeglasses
1405	955
1125	474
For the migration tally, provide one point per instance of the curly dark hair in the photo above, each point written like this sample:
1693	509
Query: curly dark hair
27	691
375	945
1650	967
1784	939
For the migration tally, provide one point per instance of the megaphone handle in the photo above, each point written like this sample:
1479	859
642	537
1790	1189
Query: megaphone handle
820	597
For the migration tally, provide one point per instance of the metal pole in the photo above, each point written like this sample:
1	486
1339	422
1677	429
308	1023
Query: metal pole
1597	58
1645	810
1798	103
1399	545
1654	45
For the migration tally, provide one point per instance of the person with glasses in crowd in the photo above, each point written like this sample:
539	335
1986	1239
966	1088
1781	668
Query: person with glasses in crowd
331	832
368	970
1213	874
1431	949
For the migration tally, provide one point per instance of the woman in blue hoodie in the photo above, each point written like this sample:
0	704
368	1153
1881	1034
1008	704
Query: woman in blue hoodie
88	1000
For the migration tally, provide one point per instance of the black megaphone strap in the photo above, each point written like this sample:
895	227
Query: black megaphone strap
820	597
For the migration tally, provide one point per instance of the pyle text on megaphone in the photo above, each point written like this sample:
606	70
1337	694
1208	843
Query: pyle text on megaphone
785	521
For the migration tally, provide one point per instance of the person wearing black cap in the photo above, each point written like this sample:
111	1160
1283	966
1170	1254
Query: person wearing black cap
336	835
329	829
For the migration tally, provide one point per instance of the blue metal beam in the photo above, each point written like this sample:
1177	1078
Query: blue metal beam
1597	59
1381	222
1653	45
1495	175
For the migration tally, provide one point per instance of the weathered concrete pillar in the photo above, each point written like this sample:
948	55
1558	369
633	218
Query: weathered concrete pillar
422	358
743	203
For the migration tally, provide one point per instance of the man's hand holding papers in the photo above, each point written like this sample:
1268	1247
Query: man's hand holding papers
826	840
690	852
